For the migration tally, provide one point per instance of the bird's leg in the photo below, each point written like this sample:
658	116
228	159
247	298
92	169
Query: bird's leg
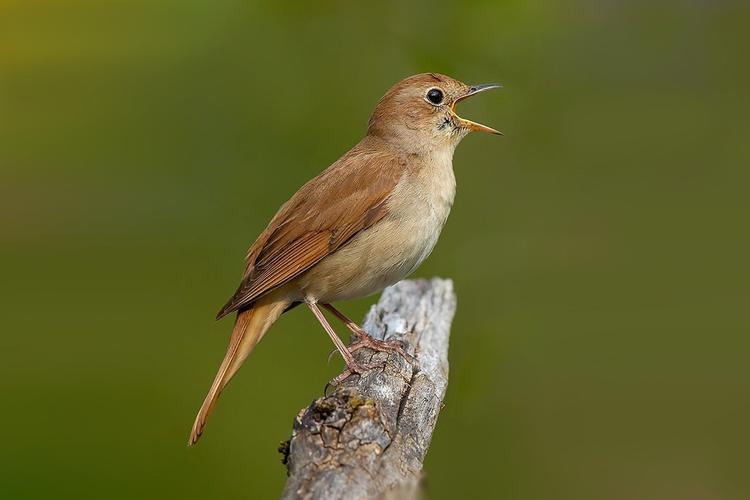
352	366
365	340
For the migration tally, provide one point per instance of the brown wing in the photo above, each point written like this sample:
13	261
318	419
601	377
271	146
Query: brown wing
346	198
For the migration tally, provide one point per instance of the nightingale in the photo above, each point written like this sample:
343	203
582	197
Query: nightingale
364	223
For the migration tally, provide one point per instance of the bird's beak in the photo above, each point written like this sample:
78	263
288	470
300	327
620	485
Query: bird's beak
474	126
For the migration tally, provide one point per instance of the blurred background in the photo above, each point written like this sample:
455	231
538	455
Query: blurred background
599	250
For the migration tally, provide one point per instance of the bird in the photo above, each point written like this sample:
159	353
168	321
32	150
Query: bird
364	223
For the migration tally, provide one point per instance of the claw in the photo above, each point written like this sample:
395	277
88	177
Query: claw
330	354
334	382
354	369
382	346
366	341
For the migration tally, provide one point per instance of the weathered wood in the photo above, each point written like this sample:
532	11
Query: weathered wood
368	439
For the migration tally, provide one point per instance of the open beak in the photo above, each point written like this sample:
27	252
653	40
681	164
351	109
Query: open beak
474	126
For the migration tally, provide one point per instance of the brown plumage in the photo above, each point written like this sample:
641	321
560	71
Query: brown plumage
364	223
323	215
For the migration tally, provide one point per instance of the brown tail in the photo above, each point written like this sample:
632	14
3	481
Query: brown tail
249	328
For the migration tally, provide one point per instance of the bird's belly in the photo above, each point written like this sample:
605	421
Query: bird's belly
374	259
391	248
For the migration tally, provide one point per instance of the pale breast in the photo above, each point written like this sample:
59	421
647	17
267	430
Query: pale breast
394	247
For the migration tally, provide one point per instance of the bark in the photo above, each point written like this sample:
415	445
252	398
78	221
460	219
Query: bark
369	437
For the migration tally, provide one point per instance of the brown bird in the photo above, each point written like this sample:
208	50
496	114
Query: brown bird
364	223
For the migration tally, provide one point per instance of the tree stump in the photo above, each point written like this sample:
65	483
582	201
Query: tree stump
368	438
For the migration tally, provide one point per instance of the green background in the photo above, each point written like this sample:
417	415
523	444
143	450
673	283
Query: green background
599	250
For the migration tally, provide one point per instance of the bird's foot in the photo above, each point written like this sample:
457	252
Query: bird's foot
354	368
364	340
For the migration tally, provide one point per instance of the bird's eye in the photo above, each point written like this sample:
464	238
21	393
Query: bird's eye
435	96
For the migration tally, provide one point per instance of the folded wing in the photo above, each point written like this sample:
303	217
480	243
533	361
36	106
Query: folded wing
348	197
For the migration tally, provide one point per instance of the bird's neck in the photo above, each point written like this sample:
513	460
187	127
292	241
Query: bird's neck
424	148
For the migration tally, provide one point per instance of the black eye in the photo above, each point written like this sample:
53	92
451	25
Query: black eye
435	96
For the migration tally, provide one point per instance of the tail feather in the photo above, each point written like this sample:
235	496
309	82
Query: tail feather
249	328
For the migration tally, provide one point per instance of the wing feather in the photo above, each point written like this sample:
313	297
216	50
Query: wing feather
346	198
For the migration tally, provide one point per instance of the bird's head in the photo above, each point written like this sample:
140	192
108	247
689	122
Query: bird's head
418	114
